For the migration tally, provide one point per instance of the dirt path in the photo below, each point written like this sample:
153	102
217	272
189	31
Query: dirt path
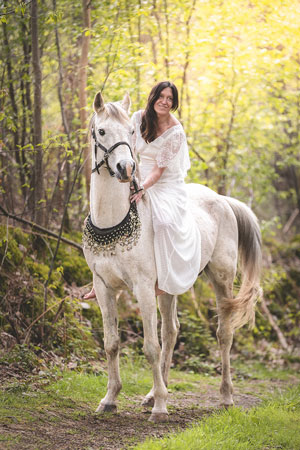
55	430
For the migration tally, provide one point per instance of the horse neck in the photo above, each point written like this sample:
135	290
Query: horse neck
109	199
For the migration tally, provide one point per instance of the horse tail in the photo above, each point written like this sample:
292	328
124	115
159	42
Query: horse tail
242	307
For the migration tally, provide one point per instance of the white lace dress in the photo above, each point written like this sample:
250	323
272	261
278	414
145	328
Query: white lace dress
177	243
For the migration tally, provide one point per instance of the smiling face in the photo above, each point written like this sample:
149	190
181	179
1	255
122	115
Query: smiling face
164	103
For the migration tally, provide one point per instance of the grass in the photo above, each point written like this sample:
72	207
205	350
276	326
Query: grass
274	424
24	402
9	439
76	395
262	371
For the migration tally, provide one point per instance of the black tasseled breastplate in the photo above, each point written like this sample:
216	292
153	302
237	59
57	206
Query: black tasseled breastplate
104	240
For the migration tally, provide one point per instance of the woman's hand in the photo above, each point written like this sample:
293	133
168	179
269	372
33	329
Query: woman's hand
136	196
150	180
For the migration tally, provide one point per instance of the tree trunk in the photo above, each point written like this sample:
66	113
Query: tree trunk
167	48
14	106
135	53
26	102
64	120
37	185
185	86
82	88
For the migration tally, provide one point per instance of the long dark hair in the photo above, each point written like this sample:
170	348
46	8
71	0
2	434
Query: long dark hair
149	118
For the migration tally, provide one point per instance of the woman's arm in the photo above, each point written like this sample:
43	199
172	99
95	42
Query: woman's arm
150	180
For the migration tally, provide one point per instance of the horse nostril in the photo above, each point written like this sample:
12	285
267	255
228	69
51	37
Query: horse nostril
125	169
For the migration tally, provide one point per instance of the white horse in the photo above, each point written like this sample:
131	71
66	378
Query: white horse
118	246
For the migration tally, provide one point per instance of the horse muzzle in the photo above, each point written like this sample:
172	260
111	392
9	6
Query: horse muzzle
125	170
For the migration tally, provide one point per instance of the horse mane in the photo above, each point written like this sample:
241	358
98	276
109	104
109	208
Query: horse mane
116	111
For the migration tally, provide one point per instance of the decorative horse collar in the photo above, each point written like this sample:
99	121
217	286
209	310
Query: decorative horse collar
104	240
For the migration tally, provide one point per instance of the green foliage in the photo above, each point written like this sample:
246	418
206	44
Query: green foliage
23	356
193	344
75	268
239	99
10	252
37	269
281	288
55	321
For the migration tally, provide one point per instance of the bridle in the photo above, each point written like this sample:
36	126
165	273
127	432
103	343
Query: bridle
107	153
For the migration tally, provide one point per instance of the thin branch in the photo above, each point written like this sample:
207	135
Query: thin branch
40	228
13	11
274	325
6	245
197	154
110	65
28	330
291	220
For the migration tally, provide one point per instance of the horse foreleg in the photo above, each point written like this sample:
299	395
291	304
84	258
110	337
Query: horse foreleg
169	330
108	306
147	305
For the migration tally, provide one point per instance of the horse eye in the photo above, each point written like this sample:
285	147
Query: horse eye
132	132
101	132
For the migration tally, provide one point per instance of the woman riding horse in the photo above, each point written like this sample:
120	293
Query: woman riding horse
160	141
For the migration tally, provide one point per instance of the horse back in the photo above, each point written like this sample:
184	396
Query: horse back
216	222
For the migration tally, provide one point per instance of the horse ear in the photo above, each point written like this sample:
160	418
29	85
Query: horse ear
126	102
98	103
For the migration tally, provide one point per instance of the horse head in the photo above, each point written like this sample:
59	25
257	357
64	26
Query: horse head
112	132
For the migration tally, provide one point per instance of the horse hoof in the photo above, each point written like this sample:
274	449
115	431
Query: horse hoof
106	408
159	417
227	405
148	401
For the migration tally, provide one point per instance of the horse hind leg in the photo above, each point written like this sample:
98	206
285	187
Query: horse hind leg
169	330
225	338
224	290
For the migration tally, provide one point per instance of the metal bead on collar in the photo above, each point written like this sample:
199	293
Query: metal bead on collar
103	241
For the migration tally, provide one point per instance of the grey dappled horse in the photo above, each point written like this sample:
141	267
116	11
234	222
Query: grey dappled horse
227	227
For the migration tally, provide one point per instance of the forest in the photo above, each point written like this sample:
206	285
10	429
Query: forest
236	65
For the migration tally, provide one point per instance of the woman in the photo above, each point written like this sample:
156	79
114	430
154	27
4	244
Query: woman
160	141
